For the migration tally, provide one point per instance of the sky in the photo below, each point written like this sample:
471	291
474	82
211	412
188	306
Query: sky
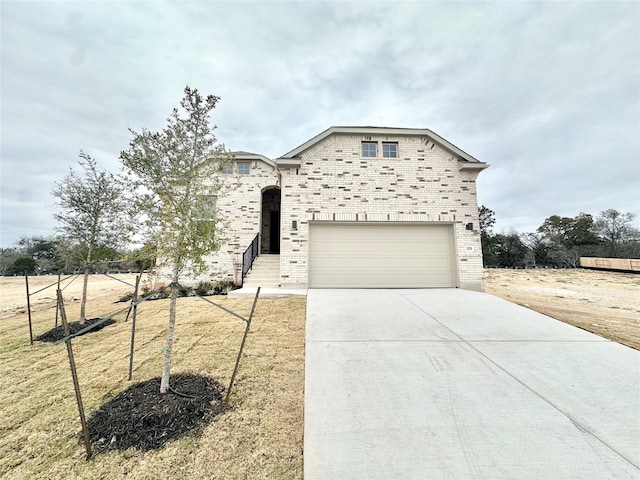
547	93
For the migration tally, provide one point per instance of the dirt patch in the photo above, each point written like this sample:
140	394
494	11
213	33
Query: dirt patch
605	303
57	333
13	297
143	418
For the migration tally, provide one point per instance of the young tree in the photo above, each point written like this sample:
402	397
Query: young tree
616	230
93	213
176	173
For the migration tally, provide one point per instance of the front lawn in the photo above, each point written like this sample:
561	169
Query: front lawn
259	437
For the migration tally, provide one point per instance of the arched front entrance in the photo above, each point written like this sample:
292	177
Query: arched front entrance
270	231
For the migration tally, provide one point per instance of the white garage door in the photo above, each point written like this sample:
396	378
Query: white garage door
377	255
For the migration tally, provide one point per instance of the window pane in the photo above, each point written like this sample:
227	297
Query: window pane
369	149
390	150
244	168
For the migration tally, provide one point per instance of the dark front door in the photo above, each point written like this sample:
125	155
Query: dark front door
274	232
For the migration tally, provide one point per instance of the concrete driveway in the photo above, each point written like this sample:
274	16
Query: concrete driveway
453	384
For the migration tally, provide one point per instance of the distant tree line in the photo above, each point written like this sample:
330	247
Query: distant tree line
95	224
560	241
52	255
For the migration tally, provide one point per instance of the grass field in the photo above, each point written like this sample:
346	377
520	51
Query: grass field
260	437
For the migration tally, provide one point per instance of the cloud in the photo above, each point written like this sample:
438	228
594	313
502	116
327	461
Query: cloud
545	92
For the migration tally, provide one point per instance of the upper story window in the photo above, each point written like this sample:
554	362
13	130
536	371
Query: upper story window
244	168
369	149
390	149
228	170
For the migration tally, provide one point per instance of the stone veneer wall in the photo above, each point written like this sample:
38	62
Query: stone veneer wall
335	183
241	207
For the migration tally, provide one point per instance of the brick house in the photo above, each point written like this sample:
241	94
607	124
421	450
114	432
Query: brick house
357	207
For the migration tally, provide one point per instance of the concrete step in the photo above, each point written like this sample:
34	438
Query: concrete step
262	277
268	259
265	272
257	282
265	266
273	272
262	281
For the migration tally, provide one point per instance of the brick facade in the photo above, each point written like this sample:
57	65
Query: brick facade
335	183
242	209
328	179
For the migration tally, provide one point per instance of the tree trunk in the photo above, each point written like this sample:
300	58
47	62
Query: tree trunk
85	283
83	304
166	368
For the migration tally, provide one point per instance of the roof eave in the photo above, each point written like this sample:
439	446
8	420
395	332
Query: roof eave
471	166
288	162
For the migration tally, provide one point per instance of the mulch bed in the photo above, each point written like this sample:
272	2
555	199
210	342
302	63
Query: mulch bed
57	333
143	418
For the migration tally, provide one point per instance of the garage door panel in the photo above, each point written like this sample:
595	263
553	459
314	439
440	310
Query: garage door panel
381	255
386	263
327	261
374	281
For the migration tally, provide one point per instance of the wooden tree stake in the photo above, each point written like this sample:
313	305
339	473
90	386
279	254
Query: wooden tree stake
244	338
26	281
74	375
134	303
57	303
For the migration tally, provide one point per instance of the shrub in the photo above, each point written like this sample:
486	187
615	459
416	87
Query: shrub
204	288
126	297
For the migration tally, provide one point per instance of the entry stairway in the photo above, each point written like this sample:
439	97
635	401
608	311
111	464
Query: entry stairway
264	273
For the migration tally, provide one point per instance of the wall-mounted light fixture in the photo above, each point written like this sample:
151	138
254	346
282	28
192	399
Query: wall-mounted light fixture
294	224
469	226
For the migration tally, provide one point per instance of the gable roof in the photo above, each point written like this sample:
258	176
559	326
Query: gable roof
240	155
390	131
